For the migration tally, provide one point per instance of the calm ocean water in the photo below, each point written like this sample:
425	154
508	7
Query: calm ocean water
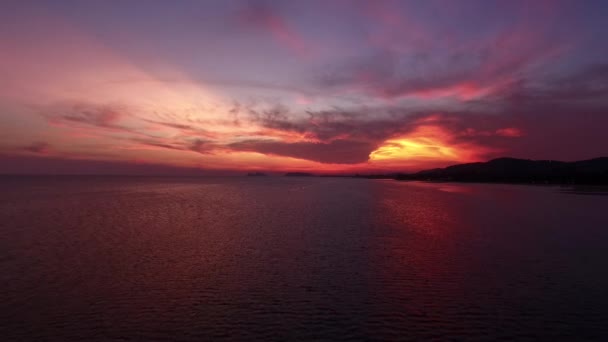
111	258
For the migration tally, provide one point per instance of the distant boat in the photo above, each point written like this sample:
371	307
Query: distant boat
256	174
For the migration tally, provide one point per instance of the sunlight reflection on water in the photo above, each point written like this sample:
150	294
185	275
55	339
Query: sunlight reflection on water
294	258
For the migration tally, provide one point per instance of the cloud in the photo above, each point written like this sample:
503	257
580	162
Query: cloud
181	126
584	87
509	132
51	165
463	75
334	152
261	16
520	121
102	116
411	57
351	136
187	128
203	146
159	143
86	115
558	118
370	124
39	147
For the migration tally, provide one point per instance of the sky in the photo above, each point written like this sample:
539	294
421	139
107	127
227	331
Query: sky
328	86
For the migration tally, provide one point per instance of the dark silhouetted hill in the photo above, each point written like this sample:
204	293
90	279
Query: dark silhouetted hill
511	170
256	174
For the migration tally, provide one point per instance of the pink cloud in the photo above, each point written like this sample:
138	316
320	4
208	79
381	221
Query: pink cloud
39	147
509	132
265	18
418	58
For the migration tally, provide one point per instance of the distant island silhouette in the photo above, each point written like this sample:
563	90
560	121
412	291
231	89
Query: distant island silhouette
500	170
512	170
299	174
256	174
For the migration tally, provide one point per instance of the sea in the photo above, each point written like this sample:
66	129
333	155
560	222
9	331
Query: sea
91	258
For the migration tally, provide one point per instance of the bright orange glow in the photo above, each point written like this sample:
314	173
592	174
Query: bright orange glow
92	101
413	148
426	146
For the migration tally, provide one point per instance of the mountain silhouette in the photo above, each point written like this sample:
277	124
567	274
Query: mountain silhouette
512	170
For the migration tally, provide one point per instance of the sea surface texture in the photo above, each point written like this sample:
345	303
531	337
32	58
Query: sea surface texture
281	258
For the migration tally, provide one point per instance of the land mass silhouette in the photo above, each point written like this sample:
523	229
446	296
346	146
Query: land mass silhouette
500	170
299	174
512	170
256	174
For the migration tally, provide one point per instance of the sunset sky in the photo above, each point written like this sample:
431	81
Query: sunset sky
321	86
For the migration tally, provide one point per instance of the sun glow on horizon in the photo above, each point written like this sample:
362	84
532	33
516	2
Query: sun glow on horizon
426	142
255	87
413	148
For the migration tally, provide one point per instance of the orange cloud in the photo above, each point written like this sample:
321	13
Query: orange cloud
428	145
